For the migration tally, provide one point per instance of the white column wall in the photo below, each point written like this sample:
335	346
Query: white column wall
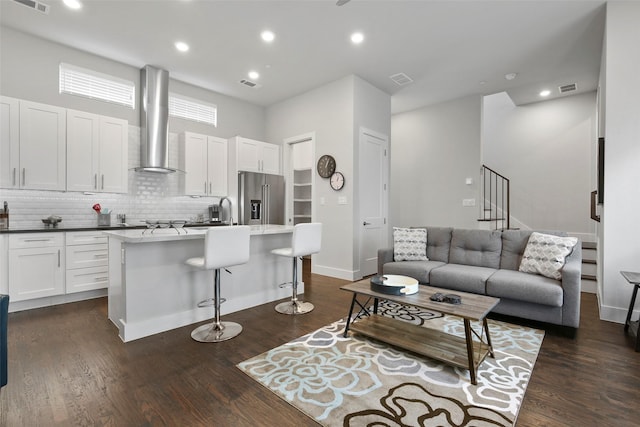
620	236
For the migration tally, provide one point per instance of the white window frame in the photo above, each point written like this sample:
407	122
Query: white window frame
74	80
192	109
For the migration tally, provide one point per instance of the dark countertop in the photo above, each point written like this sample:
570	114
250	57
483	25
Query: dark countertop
67	227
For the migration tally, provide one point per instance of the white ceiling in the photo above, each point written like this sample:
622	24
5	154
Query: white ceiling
447	47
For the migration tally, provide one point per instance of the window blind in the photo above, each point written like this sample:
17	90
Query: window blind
79	81
192	109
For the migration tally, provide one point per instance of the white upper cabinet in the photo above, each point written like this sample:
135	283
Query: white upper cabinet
217	171
271	158
204	162
9	142
194	147
256	156
97	153
82	154
33	140
114	155
42	146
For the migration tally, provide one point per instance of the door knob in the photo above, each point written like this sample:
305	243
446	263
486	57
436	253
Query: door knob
366	223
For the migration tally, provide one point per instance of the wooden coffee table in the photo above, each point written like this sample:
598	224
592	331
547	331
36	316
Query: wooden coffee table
460	352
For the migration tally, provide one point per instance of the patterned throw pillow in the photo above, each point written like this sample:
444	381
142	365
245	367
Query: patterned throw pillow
545	254
409	244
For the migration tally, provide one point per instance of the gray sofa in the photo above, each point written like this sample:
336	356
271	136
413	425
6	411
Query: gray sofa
486	262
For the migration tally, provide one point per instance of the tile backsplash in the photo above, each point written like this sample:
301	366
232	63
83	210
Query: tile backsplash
151	196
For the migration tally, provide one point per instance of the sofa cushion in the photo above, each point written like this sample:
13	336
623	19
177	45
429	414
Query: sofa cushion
409	244
476	247
419	270
513	244
545	254
525	287
438	243
466	278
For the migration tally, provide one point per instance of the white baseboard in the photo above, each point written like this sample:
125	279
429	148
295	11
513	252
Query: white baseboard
55	300
615	314
335	272
143	328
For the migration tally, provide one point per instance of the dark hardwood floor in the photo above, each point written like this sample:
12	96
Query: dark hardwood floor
67	367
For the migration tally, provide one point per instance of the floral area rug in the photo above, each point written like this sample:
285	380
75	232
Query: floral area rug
357	381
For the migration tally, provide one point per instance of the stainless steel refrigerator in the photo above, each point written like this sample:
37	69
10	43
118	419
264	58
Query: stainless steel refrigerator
260	198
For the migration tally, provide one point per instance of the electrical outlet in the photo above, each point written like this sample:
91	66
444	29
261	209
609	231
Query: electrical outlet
322	202
468	202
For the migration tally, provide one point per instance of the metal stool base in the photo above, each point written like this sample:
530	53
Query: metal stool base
294	307
212	332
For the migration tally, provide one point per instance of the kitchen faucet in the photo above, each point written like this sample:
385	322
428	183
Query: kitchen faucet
230	208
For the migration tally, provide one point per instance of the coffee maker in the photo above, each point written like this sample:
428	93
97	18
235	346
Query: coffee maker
214	213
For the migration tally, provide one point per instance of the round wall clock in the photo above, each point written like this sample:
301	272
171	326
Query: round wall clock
326	166
337	181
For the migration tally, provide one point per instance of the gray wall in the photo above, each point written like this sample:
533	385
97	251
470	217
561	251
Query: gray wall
29	70
334	112
327	111
546	150
433	150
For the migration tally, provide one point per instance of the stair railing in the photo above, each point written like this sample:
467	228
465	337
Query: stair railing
495	203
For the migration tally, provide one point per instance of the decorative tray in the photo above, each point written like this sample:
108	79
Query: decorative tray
392	284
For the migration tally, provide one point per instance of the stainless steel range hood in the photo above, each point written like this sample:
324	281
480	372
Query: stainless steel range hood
154	120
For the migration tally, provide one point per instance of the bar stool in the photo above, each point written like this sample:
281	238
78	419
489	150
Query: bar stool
223	247
306	240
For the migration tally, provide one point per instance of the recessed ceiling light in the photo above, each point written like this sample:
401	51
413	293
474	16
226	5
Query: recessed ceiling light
357	38
267	36
72	4
511	76
254	75
182	46
545	93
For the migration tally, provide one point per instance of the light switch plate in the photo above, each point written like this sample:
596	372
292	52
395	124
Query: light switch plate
342	200
468	202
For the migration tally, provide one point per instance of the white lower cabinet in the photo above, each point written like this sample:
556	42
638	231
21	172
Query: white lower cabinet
87	279
36	265
55	264
87	255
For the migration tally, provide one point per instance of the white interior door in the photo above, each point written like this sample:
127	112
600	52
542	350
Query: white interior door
373	190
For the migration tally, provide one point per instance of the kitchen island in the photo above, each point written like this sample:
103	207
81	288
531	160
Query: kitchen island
152	290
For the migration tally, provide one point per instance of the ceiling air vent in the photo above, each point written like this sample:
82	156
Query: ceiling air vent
401	79
40	7
249	83
567	88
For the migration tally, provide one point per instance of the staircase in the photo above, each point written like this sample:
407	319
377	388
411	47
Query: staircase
495	214
495	209
589	267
